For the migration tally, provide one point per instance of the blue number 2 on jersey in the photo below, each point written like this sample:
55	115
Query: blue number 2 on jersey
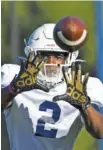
40	130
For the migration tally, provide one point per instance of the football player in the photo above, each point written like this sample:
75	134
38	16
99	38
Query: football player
46	100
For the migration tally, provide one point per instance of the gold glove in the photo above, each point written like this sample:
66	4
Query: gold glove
76	93
27	78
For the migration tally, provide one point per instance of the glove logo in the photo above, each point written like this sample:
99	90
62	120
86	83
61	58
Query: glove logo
75	94
70	90
27	82
83	99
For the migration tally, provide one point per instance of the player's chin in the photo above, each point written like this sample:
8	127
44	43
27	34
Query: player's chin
52	69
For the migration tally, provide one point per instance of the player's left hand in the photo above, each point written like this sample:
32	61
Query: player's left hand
76	93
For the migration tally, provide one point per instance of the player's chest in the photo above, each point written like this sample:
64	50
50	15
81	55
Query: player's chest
47	117
41	104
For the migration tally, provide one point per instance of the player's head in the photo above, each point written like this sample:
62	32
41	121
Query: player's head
42	43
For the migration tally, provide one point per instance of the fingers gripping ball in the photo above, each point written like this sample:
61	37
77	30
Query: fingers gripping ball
70	33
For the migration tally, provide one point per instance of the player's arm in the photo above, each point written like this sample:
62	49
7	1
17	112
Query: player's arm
93	122
77	96
6	97
26	80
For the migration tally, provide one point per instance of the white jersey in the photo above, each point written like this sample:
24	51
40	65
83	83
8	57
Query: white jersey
34	121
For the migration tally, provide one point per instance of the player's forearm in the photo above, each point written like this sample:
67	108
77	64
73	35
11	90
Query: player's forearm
93	122
6	97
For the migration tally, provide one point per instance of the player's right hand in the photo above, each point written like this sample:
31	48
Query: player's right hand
27	78
76	93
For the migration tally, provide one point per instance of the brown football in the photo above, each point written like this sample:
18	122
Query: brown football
70	33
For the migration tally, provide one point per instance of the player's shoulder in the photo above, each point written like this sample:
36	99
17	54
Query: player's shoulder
8	71
10	67
95	90
95	82
95	85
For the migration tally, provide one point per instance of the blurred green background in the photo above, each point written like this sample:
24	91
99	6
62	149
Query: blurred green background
18	21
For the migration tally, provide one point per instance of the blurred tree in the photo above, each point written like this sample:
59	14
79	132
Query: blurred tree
19	19
15	32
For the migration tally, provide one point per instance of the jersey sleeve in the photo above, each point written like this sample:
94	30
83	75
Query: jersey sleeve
95	92
8	71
